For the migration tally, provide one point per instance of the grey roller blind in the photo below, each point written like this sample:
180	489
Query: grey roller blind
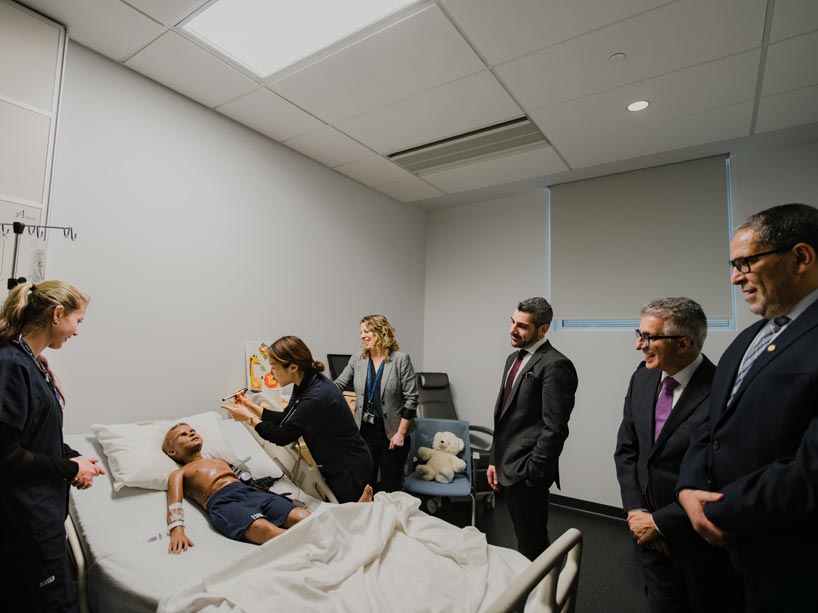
621	240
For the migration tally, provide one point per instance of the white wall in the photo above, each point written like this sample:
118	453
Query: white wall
481	259
196	234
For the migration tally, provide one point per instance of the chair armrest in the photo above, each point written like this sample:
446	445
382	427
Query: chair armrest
481	429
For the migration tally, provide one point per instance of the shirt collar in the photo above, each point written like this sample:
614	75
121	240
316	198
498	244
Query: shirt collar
683	376
533	349
803	304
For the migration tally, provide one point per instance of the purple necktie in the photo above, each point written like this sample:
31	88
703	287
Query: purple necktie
513	373
664	404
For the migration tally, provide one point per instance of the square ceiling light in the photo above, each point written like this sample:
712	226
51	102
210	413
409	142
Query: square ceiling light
266	36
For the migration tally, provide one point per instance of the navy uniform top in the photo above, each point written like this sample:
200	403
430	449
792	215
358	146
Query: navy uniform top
34	499
318	412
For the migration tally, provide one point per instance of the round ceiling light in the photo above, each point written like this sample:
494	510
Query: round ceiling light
639	105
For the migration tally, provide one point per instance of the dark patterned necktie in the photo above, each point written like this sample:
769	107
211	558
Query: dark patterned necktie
512	374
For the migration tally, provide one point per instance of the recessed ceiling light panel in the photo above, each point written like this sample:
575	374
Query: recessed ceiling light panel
638	105
266	37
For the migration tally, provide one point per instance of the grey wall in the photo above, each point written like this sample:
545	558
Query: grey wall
482	258
195	235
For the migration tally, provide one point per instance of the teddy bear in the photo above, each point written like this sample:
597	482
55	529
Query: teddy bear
441	460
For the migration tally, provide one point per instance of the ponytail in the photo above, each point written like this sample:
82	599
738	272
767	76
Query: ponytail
31	306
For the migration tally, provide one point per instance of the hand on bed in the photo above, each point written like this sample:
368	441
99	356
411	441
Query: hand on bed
89	468
179	541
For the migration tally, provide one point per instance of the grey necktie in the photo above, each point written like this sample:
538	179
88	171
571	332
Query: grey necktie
755	349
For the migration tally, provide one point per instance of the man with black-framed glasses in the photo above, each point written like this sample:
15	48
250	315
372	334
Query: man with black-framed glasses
750	478
667	401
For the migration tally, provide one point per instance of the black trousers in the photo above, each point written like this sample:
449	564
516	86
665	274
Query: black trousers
528	507
38	578
391	463
696	579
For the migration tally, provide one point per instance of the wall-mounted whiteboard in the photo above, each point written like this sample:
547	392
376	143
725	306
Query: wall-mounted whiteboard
32	51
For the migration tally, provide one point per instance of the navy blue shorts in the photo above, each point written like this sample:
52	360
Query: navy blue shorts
234	507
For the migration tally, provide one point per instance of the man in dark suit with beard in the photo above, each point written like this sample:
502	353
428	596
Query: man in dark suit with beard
667	401
531	424
750	478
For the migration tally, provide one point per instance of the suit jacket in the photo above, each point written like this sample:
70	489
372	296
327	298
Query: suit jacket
761	450
648	470
531	427
399	389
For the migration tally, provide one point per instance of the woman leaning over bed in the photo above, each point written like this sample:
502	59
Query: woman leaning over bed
318	412
36	467
386	399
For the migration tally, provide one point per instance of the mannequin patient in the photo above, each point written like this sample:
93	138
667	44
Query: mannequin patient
236	510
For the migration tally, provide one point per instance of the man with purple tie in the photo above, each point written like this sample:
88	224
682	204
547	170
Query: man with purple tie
667	400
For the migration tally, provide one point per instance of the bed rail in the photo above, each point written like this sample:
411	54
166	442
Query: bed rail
78	557
298	469
551	581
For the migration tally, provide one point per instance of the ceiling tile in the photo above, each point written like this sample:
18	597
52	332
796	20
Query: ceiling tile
709	126
786	67
792	108
110	28
409	190
416	54
495	171
503	31
182	66
374	171
467	104
655	43
271	115
703	87
169	12
793	17
330	147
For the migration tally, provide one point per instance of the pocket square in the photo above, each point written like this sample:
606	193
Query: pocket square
528	375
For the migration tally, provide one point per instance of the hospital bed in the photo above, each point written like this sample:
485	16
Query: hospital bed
118	541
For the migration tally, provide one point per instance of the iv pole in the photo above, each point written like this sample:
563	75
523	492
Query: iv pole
39	232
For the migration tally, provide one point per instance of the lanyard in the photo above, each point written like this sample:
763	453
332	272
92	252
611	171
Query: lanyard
24	346
372	382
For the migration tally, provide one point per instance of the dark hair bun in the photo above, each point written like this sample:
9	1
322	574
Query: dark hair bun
317	366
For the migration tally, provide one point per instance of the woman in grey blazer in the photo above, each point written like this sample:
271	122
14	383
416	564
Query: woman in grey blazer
386	399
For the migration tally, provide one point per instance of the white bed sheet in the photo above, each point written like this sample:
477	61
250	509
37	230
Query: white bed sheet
125	542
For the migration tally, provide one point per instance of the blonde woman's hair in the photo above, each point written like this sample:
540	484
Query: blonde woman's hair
31	307
384	335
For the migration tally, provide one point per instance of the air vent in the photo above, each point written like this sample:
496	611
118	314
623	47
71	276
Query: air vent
501	138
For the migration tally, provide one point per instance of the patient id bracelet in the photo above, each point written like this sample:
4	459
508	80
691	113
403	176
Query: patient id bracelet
176	515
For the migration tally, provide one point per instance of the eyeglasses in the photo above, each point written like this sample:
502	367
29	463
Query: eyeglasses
743	264
647	338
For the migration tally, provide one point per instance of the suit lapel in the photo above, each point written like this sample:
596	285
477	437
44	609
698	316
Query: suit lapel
530	365
644	407
387	370
694	393
793	331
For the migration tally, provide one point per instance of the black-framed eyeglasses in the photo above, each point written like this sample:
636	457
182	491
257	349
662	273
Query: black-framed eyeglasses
743	264
647	338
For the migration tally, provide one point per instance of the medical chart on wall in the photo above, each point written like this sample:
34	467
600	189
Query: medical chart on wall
257	370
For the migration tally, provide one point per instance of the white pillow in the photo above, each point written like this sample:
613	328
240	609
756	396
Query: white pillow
134	451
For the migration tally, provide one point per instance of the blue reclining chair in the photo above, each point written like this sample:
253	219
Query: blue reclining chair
435	400
432	492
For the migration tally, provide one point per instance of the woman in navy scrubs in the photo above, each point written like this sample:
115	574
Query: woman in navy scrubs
317	411
36	467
